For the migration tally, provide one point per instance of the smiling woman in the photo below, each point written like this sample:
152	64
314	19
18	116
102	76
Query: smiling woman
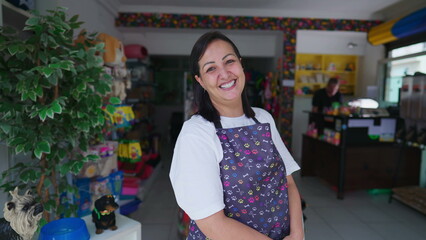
222	77
231	172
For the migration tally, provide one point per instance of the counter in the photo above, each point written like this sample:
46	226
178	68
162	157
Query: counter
364	154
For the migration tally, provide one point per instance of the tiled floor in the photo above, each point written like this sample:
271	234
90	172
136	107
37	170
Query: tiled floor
359	216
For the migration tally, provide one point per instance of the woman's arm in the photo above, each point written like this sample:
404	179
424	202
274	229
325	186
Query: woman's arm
296	215
220	227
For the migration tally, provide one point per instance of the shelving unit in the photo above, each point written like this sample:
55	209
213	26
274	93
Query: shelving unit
141	97
314	70
413	112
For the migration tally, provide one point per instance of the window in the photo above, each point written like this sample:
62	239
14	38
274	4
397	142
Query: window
403	61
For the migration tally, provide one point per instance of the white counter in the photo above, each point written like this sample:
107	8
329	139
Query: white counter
128	229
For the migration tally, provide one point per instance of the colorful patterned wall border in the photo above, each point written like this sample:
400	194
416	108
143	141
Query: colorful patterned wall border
289	26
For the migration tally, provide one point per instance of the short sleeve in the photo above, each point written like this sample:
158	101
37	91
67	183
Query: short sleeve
195	175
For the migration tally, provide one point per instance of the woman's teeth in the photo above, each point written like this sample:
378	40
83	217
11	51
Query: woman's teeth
228	85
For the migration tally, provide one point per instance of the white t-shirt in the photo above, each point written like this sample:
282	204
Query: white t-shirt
195	171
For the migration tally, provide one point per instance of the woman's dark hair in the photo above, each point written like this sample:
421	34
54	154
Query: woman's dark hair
201	97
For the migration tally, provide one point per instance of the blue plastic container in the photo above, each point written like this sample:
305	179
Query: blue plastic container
130	207
65	229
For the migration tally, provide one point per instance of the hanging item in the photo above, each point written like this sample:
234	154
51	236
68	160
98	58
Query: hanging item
392	30
123	116
114	51
135	51
129	151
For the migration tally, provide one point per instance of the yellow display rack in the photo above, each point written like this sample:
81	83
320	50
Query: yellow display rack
314	70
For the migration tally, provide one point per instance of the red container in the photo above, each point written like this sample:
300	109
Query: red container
135	51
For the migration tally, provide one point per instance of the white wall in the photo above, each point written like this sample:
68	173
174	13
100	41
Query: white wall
180	41
97	15
333	42
4	165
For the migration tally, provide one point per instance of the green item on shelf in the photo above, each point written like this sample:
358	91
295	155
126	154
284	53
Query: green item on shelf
335	105
373	137
377	191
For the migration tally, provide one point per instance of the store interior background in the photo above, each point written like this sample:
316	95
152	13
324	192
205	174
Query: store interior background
261	48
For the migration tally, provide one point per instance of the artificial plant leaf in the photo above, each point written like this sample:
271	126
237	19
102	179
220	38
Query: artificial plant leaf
5	127
114	100
62	153
25	176
32	21
32	96
56	107
81	114
13	49
53	79
19	148
54	65
50	113
30	47
84	126
66	64
42	114
16	141
74	18
47	183
24	96
52	42
47	71
65	168
93	157
42	57
101	119
37	153
43	146
110	109
81	87
77	167
39	91
83	145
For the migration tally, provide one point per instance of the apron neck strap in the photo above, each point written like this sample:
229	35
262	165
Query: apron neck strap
217	123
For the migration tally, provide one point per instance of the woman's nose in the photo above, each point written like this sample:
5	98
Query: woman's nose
223	73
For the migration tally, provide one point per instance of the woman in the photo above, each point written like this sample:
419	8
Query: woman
230	170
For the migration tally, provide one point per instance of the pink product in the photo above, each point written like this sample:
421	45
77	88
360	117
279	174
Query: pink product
135	51
130	186
106	151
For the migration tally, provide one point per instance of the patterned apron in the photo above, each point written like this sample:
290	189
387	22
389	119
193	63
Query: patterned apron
254	181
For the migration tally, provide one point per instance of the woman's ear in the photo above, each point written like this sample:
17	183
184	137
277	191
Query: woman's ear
199	80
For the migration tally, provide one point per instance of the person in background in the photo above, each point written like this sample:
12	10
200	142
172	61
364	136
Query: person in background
231	172
324	97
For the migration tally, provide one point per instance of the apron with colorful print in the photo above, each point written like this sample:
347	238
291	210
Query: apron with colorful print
254	181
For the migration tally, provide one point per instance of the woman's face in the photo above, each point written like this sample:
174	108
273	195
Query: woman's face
221	73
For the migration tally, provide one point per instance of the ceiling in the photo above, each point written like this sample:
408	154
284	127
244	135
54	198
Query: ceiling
339	9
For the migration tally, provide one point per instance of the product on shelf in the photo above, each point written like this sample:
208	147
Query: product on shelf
314	70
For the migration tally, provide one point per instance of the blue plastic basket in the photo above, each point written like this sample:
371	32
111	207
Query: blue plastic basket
65	229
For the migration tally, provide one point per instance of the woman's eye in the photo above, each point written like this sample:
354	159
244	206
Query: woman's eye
230	61
210	69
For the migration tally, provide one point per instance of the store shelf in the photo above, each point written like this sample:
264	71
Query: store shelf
314	70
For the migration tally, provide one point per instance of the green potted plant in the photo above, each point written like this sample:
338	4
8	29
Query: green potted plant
51	96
